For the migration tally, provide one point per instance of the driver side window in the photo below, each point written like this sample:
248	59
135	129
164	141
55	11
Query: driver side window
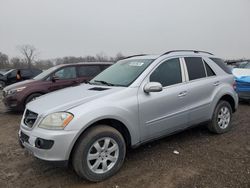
168	73
66	73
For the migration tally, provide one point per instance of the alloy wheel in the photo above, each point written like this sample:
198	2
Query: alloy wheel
103	155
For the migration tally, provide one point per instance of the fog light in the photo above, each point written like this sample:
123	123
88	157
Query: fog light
43	144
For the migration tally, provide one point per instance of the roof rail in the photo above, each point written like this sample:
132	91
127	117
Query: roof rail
195	51
134	56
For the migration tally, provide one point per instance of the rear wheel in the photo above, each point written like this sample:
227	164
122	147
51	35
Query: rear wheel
221	121
99	153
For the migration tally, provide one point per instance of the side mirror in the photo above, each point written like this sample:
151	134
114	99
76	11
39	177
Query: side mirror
54	78
152	87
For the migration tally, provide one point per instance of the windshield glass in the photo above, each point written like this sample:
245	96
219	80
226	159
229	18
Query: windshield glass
8	72
247	66
242	65
45	73
123	73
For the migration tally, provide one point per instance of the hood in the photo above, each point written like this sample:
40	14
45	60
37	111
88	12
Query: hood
65	99
2	77
244	79
20	84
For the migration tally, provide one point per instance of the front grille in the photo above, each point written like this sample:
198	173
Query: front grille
30	118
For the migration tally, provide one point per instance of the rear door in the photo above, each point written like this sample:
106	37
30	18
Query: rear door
201	84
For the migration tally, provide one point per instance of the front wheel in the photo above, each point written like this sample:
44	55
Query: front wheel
221	120
99	153
32	97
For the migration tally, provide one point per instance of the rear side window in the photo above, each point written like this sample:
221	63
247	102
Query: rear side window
195	68
168	73
210	72
88	71
222	65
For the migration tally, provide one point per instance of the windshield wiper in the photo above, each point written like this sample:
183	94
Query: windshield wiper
104	82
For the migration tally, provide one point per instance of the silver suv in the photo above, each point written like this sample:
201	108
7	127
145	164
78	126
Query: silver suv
136	100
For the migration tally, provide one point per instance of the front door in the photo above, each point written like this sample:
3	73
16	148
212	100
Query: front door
163	112
65	77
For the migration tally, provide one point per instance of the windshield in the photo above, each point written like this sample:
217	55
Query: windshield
8	72
247	65
123	73
45	73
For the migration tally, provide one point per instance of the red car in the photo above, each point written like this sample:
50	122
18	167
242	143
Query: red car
17	95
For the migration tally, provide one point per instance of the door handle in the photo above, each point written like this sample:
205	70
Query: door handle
216	83
182	94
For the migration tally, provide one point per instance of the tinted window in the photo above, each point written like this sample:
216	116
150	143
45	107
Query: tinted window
210	72
195	68
88	71
66	73
222	65
26	72
168	73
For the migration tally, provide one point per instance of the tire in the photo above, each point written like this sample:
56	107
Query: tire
87	144
2	84
32	97
221	120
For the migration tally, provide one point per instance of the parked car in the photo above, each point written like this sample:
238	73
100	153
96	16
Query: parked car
244	65
9	77
136	100
2	71
242	77
16	96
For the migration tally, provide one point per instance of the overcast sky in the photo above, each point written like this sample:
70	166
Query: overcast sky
60	28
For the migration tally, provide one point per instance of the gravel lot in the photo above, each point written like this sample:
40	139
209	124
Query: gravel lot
204	160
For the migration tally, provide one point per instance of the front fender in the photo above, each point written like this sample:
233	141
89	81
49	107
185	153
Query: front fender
83	121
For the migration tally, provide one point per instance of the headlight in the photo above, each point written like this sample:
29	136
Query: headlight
13	91
58	120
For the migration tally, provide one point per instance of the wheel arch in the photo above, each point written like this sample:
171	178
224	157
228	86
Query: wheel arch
229	99
25	98
116	124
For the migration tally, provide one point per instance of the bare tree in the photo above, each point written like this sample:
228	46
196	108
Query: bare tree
17	63
29	52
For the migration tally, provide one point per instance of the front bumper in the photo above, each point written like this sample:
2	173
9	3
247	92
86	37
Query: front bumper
13	103
60	149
